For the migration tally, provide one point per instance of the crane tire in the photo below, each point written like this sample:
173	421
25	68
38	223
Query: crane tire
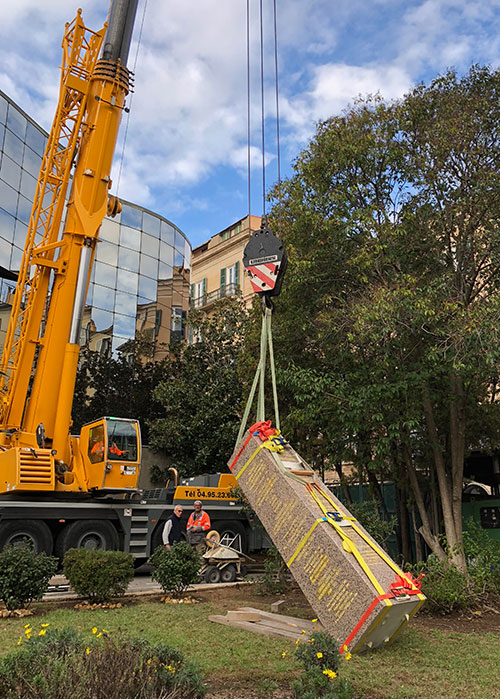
211	574
87	534
228	574
33	532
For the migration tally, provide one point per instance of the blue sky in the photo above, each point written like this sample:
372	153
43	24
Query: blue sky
186	149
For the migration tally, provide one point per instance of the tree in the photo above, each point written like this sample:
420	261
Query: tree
120	387
201	391
389	319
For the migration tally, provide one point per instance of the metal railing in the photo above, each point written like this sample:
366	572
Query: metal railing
213	296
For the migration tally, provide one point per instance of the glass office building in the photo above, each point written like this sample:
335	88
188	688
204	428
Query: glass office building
140	280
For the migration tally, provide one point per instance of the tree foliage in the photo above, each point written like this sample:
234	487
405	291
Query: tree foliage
389	319
201	391
118	386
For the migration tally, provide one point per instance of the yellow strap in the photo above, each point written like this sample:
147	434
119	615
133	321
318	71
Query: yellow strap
304	540
268	444
349	545
374	546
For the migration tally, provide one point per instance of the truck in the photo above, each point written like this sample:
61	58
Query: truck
60	490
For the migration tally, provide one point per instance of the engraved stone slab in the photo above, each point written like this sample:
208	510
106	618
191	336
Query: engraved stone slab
347	578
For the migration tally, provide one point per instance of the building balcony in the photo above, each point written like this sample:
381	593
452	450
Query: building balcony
210	298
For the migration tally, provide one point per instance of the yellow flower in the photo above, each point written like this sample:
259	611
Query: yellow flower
87	650
105	632
303	632
283	654
319	655
27	633
44	626
94	630
330	673
297	642
312	640
171	669
149	661
314	621
20	640
347	656
42	632
344	647
26	626
99	635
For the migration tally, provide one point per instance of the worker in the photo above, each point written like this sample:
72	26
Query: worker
172	531
115	452
97	452
197	527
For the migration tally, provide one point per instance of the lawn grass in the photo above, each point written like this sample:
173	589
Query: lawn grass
422	663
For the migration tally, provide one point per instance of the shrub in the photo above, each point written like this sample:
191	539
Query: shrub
98	575
24	575
314	683
176	569
275	578
368	515
63	664
321	660
483	558
445	587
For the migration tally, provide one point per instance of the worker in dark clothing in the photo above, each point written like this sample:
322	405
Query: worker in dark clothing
172	531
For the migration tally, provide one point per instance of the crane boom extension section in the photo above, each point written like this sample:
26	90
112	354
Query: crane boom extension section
40	358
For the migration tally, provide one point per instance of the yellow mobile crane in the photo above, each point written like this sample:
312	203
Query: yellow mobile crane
40	357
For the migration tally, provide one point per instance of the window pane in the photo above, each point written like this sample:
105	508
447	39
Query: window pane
131	216
167	233
166	254
3	110
15	261
28	185
8	198
109	230
20	231
165	271
149	266
7	224
130	238
10	172
16	122
125	303
107	252
180	241
124	325
102	298
127	281
178	259
149	245
106	276
151	224
103	320
147	288
24	207
32	162
128	259
2	134
13	147
35	139
5	251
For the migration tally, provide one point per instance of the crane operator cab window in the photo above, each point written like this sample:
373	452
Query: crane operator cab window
96	444
122	440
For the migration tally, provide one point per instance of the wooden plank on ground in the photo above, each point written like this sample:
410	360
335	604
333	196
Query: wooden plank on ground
256	628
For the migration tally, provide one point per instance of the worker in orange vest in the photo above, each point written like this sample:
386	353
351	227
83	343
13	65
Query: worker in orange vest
113	449
197	526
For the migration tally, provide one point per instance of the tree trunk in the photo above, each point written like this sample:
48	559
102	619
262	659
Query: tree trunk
457	437
453	536
425	530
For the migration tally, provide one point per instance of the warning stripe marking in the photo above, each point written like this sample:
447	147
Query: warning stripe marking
260	274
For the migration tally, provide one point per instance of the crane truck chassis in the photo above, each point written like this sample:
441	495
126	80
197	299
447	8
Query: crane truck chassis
134	525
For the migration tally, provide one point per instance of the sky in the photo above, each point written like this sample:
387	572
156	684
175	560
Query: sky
183	147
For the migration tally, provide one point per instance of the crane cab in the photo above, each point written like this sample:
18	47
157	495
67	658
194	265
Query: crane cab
110	451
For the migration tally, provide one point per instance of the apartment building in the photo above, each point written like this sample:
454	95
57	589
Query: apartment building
217	265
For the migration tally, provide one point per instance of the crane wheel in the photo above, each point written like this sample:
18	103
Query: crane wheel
28	532
87	534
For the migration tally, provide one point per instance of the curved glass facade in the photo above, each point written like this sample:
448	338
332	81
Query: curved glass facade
139	288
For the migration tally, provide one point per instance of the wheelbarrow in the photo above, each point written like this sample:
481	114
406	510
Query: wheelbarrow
221	563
